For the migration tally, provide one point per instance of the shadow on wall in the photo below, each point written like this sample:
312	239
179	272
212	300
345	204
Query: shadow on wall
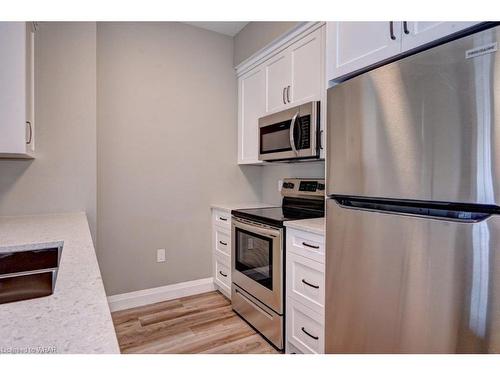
11	172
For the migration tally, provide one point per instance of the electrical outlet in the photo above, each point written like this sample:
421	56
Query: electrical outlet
280	185
160	255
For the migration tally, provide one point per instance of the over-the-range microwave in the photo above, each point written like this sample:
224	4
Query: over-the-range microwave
292	134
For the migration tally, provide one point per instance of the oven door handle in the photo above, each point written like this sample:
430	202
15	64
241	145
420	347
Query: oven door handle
267	232
292	128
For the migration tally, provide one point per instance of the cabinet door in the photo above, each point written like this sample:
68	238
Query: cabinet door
355	45
307	64
416	34
30	88
278	79
251	99
12	88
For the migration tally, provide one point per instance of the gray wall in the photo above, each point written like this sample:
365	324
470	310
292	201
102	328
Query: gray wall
255	36
167	149
63	176
166	145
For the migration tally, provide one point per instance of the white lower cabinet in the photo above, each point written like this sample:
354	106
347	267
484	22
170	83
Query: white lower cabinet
222	276
305	328
305	292
221	248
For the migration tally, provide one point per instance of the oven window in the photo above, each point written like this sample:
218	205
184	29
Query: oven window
275	138
254	257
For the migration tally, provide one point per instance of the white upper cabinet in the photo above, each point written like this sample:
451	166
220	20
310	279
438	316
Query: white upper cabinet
252	105
295	76
416	34
354	45
307	64
278	82
16	90
287	74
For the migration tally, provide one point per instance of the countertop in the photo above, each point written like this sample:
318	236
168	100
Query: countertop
228	207
316	226
76	317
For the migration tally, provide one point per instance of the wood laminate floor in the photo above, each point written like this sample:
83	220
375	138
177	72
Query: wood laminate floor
204	323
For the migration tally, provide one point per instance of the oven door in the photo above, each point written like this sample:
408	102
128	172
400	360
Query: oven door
257	261
290	134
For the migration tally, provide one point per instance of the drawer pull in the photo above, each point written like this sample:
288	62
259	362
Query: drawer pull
308	334
311	285
223	274
223	243
311	246
222	218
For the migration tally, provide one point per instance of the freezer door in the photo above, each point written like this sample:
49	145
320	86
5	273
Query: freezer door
407	284
426	127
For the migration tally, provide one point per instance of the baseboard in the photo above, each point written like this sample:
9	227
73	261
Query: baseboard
163	293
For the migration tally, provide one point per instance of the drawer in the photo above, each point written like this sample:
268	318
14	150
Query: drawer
223	274
305	281
221	218
222	241
305	328
292	349
309	245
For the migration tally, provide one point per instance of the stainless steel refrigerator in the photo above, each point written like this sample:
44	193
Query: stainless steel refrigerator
413	217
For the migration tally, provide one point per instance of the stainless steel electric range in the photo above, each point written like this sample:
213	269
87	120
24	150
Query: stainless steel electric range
258	255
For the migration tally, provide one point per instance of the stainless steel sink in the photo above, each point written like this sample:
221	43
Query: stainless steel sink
29	271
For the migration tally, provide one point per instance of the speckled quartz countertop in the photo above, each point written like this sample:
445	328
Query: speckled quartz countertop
76	317
228	207
316	226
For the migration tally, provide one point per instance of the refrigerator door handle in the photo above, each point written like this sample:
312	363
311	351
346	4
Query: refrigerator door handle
458	212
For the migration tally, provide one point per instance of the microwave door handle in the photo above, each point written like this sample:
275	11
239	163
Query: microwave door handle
292	128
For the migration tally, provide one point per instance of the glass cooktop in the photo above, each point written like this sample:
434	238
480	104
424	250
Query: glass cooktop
277	215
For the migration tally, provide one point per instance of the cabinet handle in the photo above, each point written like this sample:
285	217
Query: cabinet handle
311	246
391	29
288	93
321	139
405	28
222	218
31	132
308	334
283	95
223	243
223	274
311	285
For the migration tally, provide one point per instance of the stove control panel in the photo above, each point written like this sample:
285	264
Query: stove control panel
303	187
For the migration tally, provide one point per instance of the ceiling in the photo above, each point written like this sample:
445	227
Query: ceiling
226	28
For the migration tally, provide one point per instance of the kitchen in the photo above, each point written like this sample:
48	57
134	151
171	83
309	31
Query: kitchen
248	187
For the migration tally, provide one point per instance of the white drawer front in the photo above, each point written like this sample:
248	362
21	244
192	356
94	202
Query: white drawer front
292	349
307	244
222	219
222	238
223	274
306	281
305	328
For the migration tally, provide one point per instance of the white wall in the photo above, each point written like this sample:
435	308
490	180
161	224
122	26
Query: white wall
63	176
167	149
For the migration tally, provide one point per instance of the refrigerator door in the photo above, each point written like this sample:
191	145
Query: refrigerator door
408	284
426	127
